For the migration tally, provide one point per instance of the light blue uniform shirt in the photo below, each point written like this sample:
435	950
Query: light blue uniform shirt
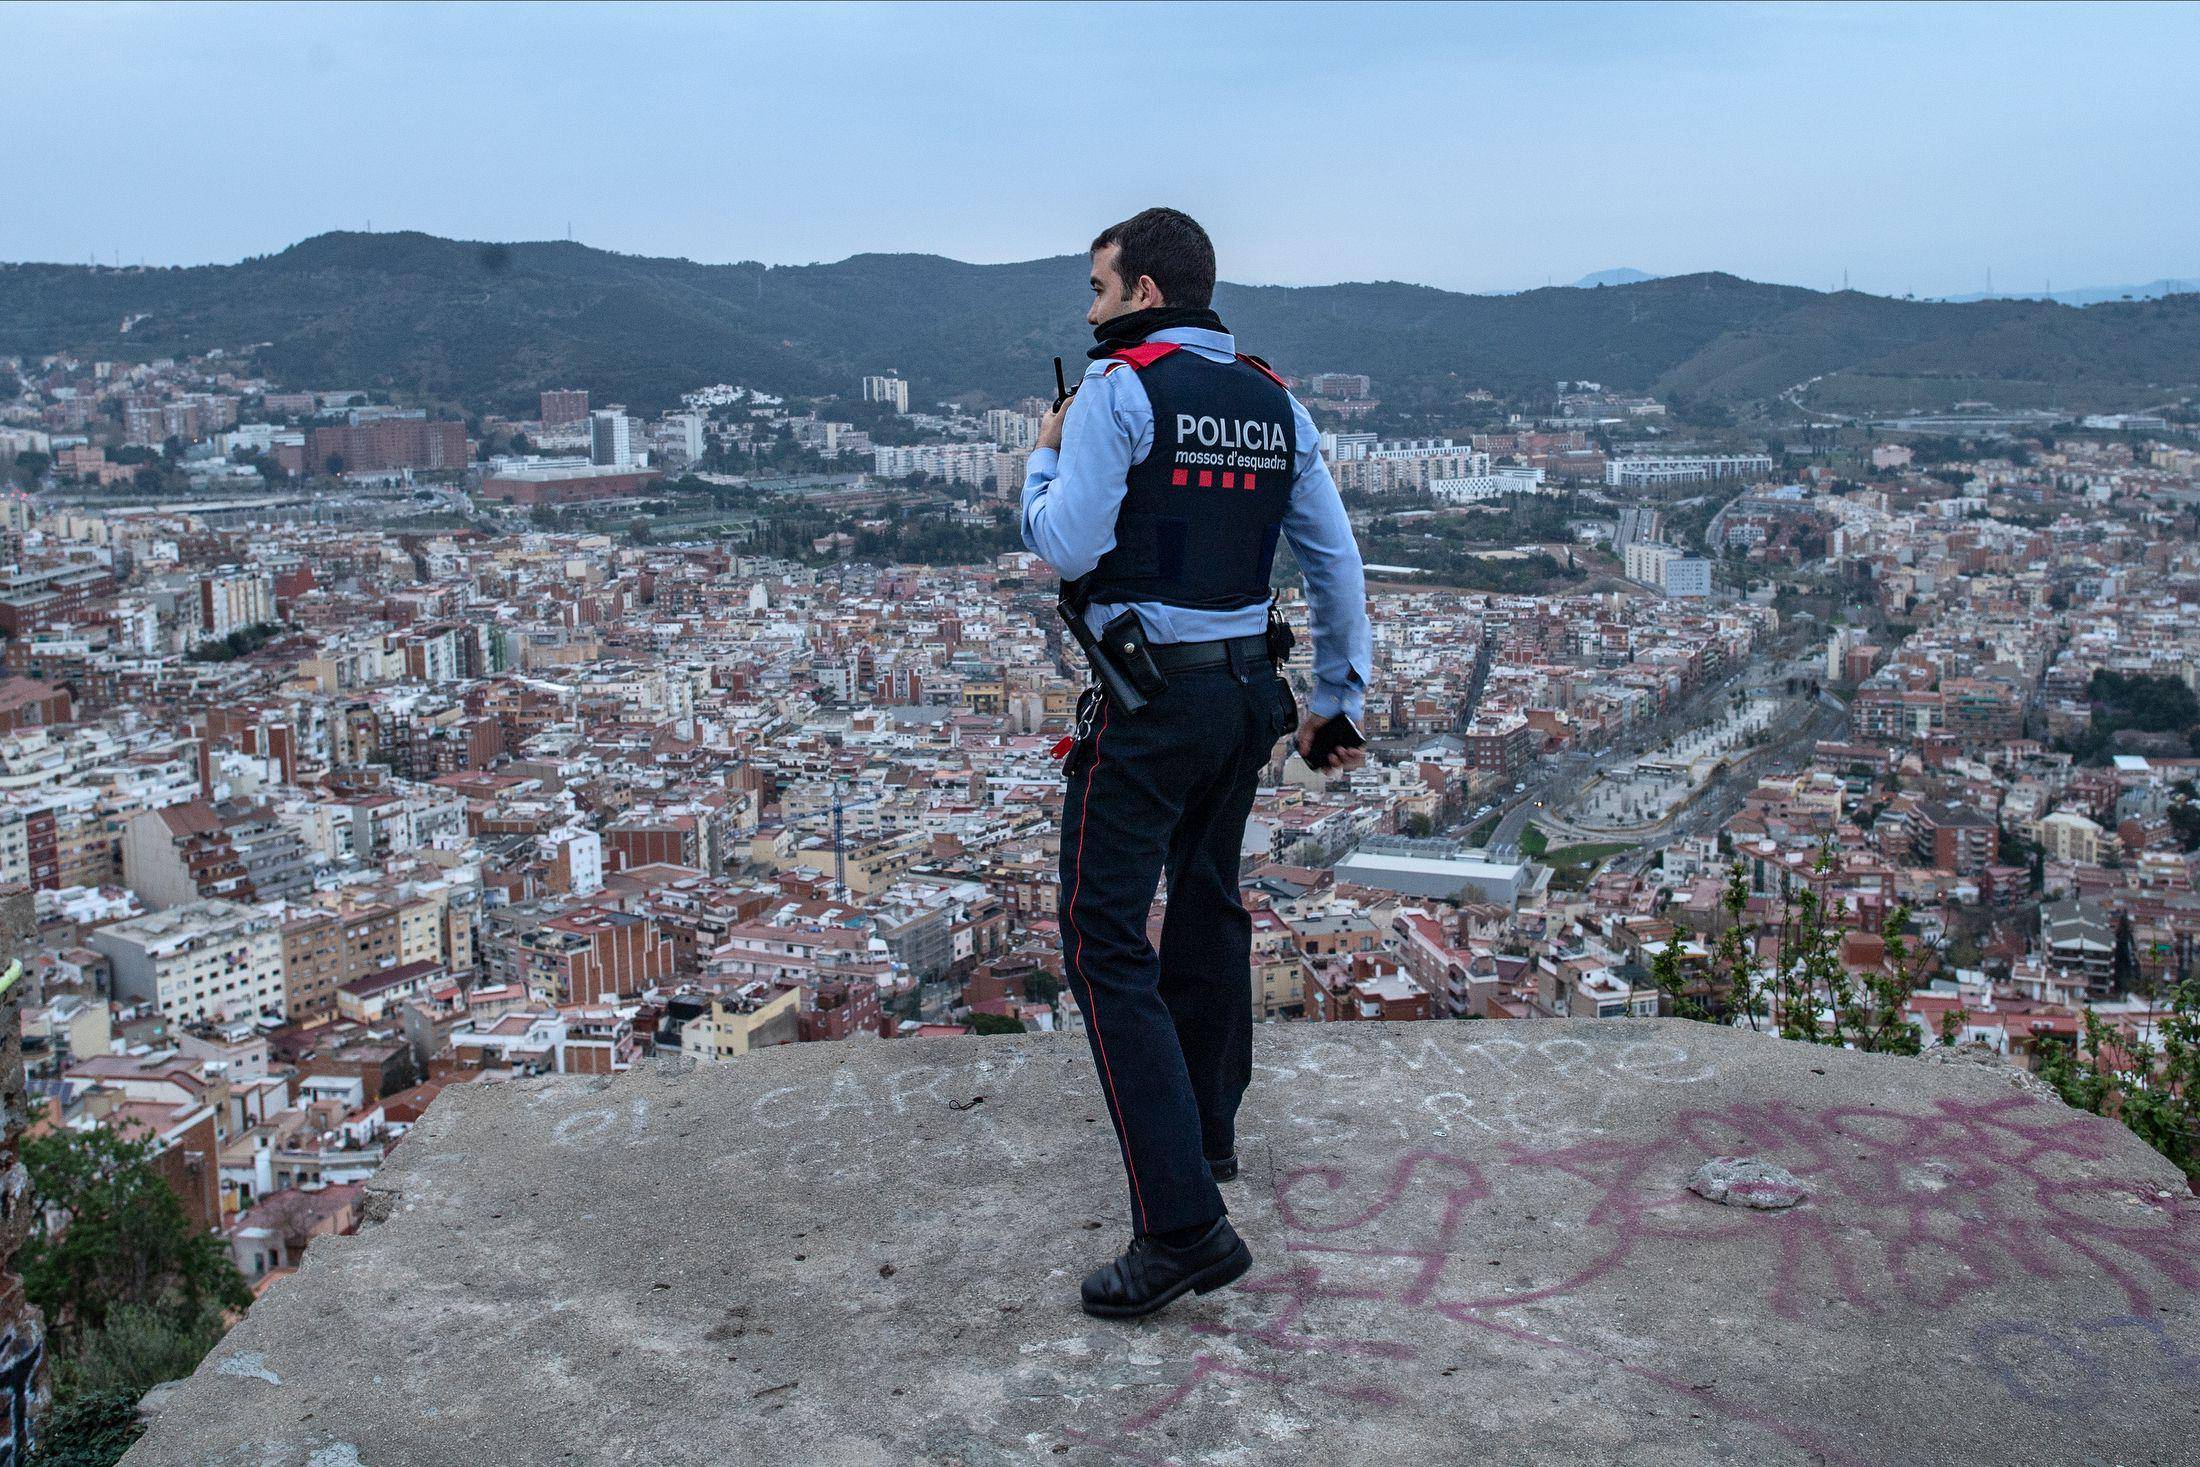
1071	496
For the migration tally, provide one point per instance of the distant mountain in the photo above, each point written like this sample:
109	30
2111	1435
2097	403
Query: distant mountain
1624	275
2088	295
487	325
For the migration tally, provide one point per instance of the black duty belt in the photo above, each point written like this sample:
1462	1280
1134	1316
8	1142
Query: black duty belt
1189	656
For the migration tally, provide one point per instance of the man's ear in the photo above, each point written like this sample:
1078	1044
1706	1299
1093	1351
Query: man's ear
1146	295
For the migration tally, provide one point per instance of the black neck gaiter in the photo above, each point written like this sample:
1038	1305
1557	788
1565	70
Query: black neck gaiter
1132	327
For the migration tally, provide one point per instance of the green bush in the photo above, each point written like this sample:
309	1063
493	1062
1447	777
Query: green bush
137	1348
90	1431
2152	1088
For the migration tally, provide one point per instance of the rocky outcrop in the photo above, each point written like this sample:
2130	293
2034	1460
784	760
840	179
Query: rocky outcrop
1473	1242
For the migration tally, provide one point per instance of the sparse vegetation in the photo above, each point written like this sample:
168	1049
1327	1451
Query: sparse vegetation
2152	1086
239	643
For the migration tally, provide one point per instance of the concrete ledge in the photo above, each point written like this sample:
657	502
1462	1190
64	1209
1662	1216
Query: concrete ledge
1473	1242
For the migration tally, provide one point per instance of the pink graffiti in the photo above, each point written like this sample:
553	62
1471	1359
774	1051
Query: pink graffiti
1963	1198
1905	1210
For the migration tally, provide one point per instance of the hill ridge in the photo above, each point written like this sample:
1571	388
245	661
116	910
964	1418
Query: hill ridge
487	323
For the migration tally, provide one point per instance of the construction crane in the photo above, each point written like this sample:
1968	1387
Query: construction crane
840	845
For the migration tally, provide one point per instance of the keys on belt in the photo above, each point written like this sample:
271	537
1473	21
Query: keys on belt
1088	703
1253	652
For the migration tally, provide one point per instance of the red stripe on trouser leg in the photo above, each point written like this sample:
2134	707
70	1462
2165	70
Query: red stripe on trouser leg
1077	961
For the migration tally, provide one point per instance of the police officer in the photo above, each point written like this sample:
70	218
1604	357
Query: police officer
1159	488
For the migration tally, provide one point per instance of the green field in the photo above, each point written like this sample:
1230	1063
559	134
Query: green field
1569	865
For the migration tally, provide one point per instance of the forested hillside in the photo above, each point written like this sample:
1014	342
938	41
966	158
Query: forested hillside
490	324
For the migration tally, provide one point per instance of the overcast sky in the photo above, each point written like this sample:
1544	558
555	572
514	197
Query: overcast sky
1477	147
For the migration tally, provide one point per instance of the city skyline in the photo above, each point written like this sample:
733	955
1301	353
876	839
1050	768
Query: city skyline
591	685
1478	149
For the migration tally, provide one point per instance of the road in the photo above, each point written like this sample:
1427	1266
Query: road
1554	783
1722	799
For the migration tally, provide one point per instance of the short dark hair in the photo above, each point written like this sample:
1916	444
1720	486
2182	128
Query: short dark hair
1169	245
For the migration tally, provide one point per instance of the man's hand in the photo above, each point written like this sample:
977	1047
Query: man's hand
1341	758
1050	425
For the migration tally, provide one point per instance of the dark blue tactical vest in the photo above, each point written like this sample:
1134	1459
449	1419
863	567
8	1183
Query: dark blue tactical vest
1198	523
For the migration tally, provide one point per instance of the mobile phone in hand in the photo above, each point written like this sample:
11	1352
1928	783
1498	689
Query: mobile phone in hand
1340	732
1061	384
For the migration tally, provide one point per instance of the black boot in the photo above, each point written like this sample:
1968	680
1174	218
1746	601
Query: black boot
1223	1167
1150	1273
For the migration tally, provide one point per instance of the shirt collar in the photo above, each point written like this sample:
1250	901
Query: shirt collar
1218	341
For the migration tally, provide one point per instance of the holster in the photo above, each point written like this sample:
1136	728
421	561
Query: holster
1281	639
1127	692
1123	642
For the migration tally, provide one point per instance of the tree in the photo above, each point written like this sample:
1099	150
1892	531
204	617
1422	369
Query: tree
1873	1016
2153	1087
110	1234
1951	1025
1809	956
31	465
1819	1000
1734	960
1665	976
995	1024
2184	818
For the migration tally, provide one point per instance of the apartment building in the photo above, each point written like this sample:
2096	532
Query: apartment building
231	850
1645	473
386	444
201	960
890	390
562	405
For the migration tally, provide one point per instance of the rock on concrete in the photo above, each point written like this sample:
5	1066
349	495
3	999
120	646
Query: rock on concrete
1744	1181
1473	1242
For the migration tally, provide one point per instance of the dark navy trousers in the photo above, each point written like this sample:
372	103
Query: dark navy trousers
1164	792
